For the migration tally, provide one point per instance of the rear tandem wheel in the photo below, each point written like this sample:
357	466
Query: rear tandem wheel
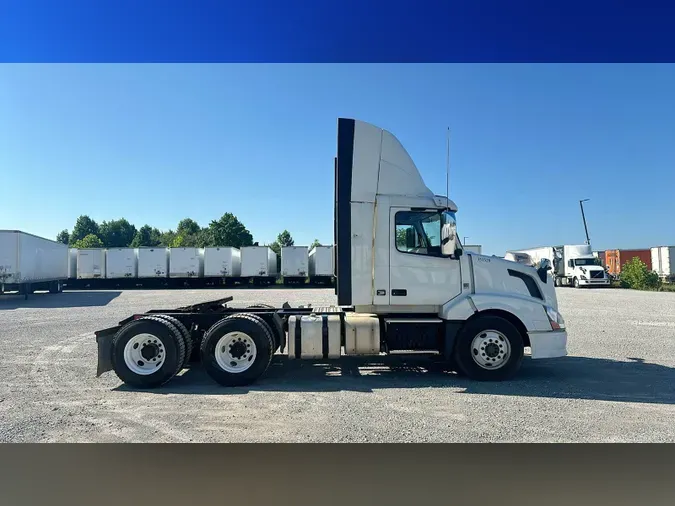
148	352
238	349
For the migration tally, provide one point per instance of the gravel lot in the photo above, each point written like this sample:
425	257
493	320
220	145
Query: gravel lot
618	384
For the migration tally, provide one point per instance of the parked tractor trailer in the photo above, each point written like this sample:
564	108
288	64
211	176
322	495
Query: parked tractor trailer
573	265
403	285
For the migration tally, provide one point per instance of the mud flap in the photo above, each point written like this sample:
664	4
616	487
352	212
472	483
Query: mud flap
104	340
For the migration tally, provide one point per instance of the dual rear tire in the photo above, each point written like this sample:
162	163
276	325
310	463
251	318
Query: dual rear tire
150	351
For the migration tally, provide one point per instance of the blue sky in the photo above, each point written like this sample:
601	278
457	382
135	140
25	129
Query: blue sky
157	143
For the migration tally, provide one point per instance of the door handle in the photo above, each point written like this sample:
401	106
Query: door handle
399	292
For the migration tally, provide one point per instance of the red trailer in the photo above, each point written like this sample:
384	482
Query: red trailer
617	258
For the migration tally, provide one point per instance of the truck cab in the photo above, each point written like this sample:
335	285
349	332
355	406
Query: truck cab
398	256
404	284
577	266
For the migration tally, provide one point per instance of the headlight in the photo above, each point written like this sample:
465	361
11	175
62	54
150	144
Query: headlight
555	318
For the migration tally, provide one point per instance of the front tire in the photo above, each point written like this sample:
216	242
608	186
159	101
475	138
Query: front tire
576	283
489	348
237	350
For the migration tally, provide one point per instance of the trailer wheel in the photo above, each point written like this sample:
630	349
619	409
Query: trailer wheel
148	352
489	348
278	327
187	338
238	349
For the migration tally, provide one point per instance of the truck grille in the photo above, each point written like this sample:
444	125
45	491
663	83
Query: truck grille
597	274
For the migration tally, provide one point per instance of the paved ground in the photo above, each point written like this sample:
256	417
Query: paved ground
617	385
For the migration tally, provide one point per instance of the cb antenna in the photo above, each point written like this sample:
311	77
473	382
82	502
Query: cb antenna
447	169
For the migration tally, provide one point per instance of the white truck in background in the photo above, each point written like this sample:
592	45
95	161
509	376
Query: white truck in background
29	263
403	283
663	262
573	265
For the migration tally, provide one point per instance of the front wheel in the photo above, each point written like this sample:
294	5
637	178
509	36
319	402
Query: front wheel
576	283
489	348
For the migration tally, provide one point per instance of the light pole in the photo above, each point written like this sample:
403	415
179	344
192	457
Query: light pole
464	240
583	217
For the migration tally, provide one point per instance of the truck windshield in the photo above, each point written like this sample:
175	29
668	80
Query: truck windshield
587	261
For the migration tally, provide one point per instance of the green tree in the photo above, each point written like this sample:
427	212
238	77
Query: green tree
229	231
146	236
90	241
188	226
63	237
285	239
166	238
178	242
315	244
635	274
117	233
84	226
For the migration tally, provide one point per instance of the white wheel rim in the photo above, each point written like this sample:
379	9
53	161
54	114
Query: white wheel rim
235	352
144	354
490	349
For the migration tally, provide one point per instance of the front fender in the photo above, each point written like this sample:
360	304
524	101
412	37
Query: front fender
529	311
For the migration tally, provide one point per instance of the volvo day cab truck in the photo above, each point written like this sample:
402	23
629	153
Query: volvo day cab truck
573	265
403	285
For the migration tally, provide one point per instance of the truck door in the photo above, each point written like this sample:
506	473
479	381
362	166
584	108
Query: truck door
418	274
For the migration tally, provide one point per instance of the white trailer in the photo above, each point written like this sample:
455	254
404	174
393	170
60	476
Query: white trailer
404	285
294	264
72	263
29	263
153	262
259	263
91	263
321	265
573	264
223	263
121	263
663	262
186	263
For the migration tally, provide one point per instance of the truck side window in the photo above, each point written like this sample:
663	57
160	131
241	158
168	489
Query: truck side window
418	232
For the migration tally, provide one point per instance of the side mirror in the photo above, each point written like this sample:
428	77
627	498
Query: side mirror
448	240
458	252
544	267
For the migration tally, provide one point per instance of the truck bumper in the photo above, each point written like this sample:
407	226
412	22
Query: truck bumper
550	344
594	282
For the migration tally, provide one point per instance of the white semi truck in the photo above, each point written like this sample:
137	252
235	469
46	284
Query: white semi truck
573	265
403	285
